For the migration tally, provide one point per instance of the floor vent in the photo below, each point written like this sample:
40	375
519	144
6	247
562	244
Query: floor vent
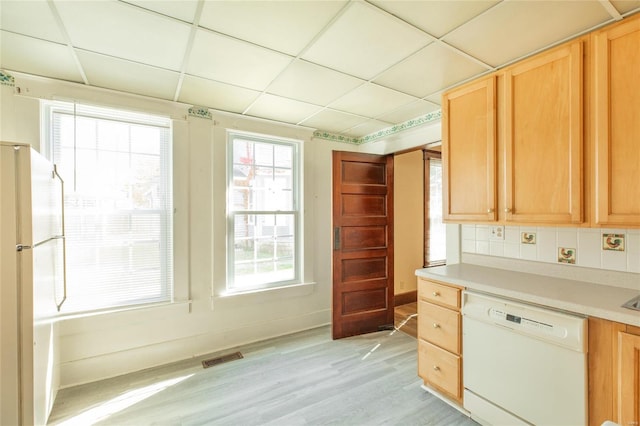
221	359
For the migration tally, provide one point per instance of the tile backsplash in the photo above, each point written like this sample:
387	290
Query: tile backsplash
610	249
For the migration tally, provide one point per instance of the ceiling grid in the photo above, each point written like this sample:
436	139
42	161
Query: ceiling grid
352	69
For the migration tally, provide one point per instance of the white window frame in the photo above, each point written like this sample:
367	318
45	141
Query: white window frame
166	250
296	146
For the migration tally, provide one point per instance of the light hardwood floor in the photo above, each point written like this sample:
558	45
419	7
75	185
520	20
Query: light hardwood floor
300	379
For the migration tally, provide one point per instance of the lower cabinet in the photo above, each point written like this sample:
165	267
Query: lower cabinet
439	338
614	373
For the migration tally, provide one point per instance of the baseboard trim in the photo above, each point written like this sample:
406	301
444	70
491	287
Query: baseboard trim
404	298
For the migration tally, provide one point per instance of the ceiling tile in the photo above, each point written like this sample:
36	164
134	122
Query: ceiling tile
44	58
286	26
410	111
527	25
124	31
429	70
625	6
436	98
365	41
220	96
232	61
371	100
312	83
184	10
281	109
333	121
33	18
126	76
436	17
366	128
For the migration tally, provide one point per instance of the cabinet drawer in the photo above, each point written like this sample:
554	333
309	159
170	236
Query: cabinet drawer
439	368
439	293
440	326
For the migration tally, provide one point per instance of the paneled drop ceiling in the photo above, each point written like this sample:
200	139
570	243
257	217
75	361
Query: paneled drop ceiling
350	68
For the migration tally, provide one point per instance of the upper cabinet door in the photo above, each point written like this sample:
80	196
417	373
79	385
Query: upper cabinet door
544	138
617	124
469	152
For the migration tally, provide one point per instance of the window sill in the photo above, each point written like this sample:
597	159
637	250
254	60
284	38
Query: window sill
178	304
264	294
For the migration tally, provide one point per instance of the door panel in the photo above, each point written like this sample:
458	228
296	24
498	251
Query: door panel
363	243
469	152
363	237
617	126
544	109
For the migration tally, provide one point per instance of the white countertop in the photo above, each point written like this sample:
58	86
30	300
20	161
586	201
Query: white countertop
580	297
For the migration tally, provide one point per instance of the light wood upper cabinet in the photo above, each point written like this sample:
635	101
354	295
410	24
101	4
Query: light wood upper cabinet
543	138
537	107
517	140
469	152
617	123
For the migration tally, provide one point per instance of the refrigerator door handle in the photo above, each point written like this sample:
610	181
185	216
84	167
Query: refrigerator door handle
64	240
21	247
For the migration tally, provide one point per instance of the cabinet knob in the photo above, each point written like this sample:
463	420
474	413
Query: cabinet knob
507	210
436	368
436	325
436	294
490	210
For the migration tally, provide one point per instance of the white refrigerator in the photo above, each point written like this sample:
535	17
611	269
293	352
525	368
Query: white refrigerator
32	286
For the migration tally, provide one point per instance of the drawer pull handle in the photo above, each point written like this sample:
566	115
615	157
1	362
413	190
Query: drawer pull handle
436	368
436	294
436	325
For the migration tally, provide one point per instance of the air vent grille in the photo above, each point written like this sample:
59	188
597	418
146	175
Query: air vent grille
221	359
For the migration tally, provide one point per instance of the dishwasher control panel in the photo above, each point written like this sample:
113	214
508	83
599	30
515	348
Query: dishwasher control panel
562	328
527	323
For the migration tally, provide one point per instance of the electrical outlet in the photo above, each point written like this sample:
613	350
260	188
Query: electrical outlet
496	232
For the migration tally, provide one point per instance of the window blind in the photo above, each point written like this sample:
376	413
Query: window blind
118	204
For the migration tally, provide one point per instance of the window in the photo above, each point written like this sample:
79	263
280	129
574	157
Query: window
435	241
116	166
263	213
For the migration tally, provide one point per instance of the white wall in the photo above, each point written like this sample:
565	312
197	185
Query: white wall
110	344
202	320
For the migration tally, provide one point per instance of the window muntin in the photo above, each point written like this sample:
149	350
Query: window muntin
118	205
263	213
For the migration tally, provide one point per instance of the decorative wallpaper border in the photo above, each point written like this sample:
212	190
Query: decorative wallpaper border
410	124
200	112
7	79
336	138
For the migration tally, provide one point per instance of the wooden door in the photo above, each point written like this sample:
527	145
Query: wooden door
628	379
469	152
544	138
363	243
617	124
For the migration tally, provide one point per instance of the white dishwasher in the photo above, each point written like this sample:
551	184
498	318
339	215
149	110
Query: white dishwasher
523	364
